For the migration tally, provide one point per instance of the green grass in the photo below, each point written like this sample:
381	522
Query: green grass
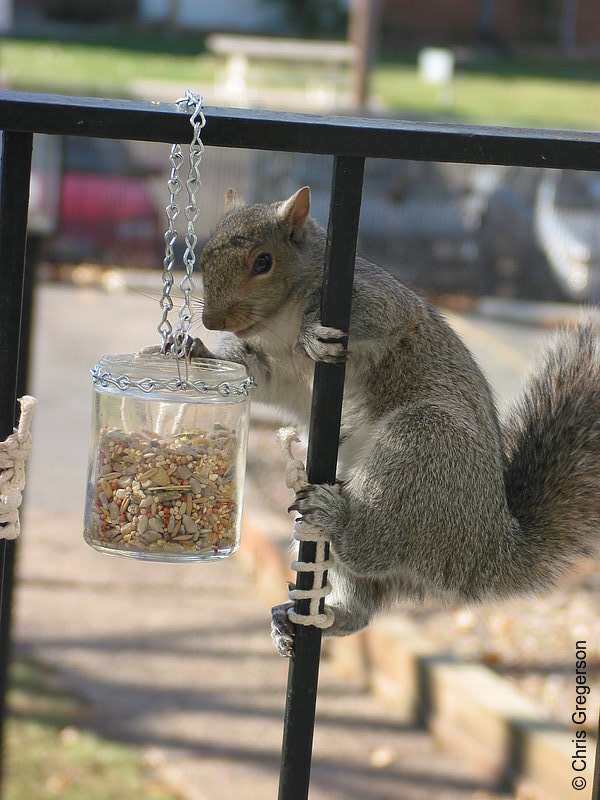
48	754
501	93
102	67
526	92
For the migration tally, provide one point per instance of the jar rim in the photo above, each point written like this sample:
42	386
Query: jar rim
152	372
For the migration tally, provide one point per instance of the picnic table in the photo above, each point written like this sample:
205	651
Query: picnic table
318	69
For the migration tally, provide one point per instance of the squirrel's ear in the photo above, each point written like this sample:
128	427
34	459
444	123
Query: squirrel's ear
293	212
232	200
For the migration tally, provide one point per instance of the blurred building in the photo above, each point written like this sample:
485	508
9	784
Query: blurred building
404	23
571	23
567	22
241	15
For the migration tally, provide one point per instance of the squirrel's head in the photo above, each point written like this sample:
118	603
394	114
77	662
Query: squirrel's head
250	264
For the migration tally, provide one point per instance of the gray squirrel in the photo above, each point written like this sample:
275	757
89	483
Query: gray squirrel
435	497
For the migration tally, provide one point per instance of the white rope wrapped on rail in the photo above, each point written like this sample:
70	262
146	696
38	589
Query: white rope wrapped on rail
296	479
14	452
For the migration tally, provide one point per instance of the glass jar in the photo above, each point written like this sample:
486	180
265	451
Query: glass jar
167	457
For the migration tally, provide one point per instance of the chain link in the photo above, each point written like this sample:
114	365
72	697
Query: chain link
196	149
193	185
172	212
124	382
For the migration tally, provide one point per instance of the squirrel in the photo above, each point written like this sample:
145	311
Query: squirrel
435	497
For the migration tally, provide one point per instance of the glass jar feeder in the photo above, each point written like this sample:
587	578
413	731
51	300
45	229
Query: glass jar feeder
167	458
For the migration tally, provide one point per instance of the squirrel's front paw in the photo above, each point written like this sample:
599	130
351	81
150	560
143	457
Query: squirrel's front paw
197	349
321	343
282	630
321	505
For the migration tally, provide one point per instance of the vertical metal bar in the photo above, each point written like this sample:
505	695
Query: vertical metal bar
326	410
596	777
14	202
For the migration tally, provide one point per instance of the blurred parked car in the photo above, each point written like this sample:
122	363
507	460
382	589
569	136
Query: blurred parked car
416	218
466	229
567	227
541	235
44	192
106	212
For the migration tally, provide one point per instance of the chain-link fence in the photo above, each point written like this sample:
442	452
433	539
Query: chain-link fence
444	229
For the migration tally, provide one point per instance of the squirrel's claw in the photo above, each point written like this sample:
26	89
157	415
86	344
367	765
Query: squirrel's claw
195	348
301	496
321	343
320	504
282	630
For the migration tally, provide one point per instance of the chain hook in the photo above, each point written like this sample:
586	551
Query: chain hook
179	338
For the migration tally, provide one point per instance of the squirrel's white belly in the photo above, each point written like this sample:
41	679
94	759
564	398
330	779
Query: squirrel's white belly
354	449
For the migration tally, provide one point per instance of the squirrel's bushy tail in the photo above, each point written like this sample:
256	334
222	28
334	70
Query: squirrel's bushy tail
552	448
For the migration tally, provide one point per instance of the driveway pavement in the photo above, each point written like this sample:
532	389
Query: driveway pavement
174	658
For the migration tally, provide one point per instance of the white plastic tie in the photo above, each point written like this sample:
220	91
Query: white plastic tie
297	479
14	452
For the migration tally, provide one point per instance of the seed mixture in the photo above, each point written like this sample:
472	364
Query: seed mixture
171	495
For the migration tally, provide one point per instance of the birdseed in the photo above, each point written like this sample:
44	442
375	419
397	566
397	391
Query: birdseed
170	495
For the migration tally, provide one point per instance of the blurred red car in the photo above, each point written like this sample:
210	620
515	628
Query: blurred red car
106	212
108	218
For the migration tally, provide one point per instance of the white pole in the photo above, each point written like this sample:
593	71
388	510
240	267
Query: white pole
6	16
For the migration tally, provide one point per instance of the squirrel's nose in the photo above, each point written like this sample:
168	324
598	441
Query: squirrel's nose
214	320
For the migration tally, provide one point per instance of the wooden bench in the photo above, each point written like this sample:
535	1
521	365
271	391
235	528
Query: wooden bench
257	65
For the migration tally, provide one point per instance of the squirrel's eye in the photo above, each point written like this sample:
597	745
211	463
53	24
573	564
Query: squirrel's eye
262	264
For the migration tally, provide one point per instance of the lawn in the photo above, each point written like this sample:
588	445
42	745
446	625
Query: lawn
531	93
506	92
102	66
49	753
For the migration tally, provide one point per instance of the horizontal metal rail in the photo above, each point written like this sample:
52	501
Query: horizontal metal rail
302	133
350	140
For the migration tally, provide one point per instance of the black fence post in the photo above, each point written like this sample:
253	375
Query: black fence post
596	775
346	195
14	203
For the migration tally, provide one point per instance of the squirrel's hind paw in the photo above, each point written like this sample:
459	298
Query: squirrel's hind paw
282	630
322	506
321	343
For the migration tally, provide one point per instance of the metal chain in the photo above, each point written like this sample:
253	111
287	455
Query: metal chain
193	184
180	337
172	211
124	382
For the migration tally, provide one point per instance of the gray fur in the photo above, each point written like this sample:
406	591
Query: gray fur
436	498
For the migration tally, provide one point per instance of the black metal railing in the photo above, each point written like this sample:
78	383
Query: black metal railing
350	141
